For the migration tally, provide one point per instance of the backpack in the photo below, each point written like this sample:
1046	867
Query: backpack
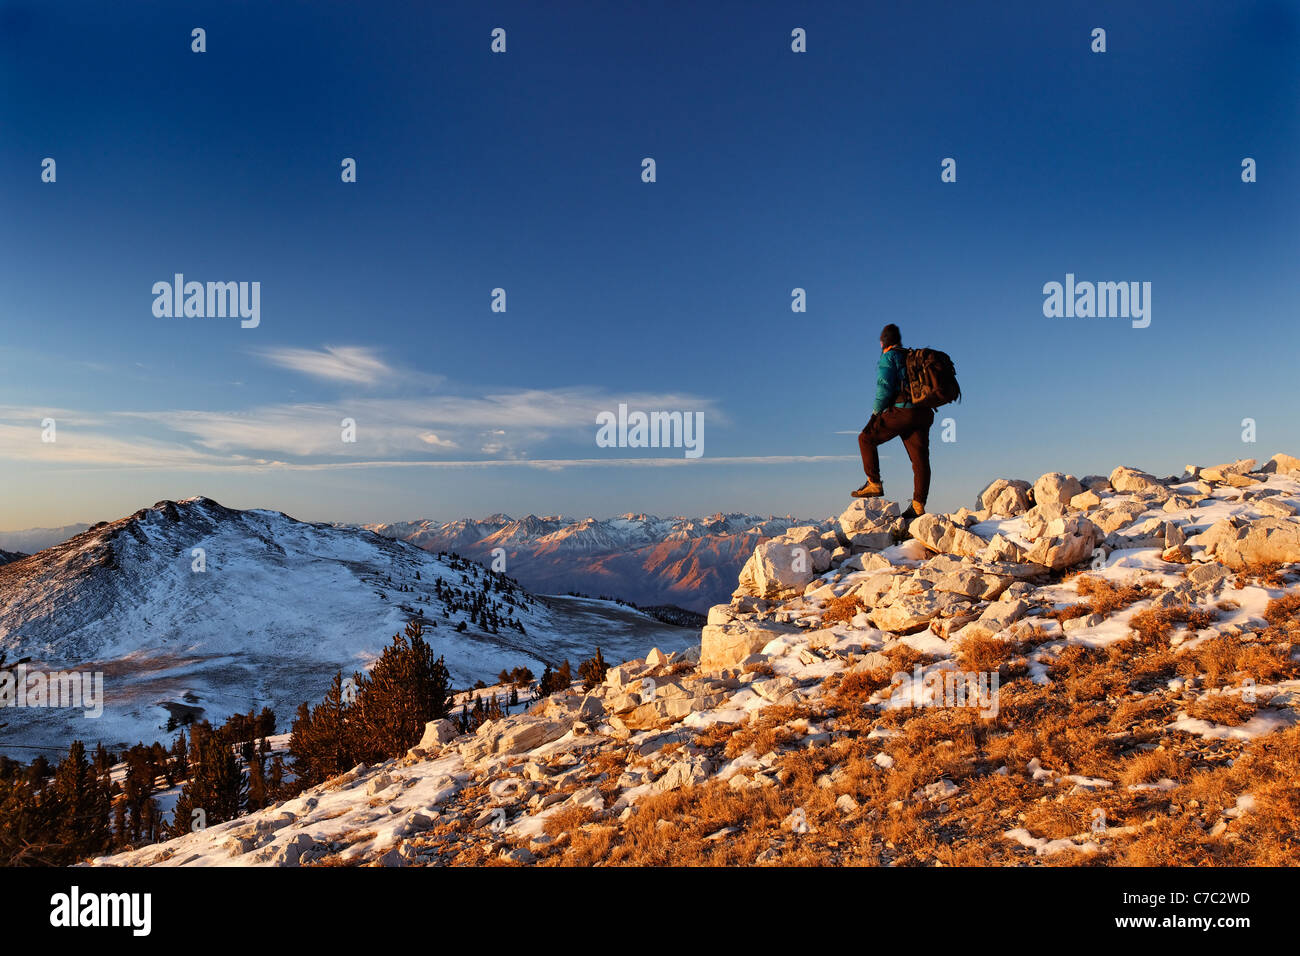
931	379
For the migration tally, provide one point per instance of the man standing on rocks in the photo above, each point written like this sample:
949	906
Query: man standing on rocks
895	417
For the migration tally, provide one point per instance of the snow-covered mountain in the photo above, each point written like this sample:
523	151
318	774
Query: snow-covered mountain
189	607
690	562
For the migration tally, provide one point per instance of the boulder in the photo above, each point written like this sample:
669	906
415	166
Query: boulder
974	584
437	733
871	540
867	516
881	587
1149	533
782	567
530	734
1221	473
1006	497
592	708
1056	488
1116	516
1065	542
1085	500
1003	549
617	677
718	614
912	612
996	618
939	533
1037	518
1206	577
775	570
683	773
1235	542
1126	480
1281	464
727	645
1276	508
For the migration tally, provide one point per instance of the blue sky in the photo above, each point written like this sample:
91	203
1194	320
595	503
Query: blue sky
522	171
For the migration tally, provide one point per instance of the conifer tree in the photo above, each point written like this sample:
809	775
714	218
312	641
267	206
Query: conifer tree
84	806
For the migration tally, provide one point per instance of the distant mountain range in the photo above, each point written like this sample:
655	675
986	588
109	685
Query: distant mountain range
37	539
192	608
688	562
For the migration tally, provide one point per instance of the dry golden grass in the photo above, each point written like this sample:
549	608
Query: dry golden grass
1226	660
842	609
1156	624
1227	709
1105	597
1269	574
986	653
1105	714
766	733
568	820
854	687
1070	612
1284	612
1151	766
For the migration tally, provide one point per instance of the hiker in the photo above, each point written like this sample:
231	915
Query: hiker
893	416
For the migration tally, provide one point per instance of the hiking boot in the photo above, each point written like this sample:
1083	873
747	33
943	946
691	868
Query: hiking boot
914	510
872	489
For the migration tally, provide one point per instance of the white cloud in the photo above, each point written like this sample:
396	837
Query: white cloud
353	364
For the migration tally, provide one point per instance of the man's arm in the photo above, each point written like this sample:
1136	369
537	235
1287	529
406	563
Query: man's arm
886	383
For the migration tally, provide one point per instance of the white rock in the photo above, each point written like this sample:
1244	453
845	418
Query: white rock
1056	488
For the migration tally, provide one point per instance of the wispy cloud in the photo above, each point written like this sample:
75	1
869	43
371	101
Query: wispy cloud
502	424
520	426
352	364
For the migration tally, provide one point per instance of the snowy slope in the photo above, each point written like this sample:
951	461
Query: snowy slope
277	608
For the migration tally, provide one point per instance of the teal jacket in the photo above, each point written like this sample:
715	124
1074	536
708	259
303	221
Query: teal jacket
889	376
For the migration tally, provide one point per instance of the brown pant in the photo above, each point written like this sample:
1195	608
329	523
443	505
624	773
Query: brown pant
913	426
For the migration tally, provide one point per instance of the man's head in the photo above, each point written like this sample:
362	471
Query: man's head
889	337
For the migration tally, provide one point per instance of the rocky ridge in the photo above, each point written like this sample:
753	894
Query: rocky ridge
796	710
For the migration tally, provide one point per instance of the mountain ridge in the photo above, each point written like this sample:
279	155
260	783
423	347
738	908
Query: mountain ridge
636	556
1137	646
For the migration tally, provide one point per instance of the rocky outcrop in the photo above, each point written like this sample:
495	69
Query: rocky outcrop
1005	497
1235	542
1057	489
726	645
941	534
782	566
1128	480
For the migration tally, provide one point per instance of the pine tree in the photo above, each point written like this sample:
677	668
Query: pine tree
216	785
322	743
405	689
592	671
546	685
84	806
